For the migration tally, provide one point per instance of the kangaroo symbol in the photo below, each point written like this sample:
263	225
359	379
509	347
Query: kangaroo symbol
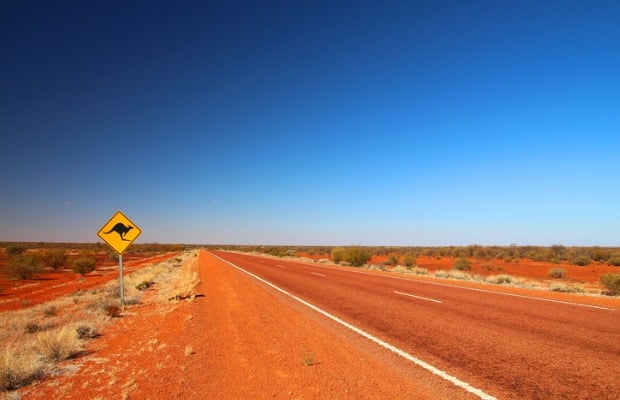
121	229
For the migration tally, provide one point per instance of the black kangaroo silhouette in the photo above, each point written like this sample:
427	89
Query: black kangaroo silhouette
121	229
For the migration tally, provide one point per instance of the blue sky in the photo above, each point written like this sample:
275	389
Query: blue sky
377	123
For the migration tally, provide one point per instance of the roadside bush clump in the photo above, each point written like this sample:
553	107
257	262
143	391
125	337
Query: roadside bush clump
462	264
409	260
557	273
87	331
55	258
503	279
111	309
24	267
581	260
611	283
144	285
84	265
562	288
338	254
357	256
57	345
615	260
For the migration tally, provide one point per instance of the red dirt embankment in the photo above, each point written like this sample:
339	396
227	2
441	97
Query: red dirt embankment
236	340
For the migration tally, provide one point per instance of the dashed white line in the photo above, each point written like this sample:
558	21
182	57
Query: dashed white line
280	266
317	274
417	297
436	371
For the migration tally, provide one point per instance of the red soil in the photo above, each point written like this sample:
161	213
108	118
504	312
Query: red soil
236	341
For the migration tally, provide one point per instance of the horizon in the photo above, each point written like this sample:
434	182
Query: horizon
430	124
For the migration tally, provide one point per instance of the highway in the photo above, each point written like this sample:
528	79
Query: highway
504	346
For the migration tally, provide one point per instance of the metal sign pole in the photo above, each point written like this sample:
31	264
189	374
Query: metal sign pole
120	267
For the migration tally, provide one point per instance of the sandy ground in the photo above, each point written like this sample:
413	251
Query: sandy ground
235	340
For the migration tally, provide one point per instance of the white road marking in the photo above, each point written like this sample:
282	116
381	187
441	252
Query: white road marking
417	297
281	266
454	380
317	274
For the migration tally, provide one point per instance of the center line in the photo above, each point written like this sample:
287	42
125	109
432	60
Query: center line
317	274
418	297
281	266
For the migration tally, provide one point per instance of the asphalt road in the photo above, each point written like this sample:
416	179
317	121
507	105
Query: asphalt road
507	346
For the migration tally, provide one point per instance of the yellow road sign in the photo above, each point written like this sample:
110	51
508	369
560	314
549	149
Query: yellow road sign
119	232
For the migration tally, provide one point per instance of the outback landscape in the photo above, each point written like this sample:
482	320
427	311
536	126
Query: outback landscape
192	324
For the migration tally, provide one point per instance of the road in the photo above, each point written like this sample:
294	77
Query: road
497	345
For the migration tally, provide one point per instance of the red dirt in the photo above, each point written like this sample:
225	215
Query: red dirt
17	294
235	341
239	340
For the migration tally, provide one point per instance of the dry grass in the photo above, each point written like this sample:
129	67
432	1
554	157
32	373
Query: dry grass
18	367
58	344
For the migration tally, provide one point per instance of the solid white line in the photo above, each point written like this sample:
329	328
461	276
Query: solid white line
455	381
317	274
417	297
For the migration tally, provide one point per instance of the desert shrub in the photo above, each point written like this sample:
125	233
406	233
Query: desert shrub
84	265
562	288
338	254
55	258
615	260
86	331
15	250
33	327
24	266
392	259
557	273
581	260
357	256
502	279
611	282
462	264
144	285
50	311
59	344
409	260
111	309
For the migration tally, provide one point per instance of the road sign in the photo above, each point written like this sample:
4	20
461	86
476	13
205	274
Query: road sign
119	232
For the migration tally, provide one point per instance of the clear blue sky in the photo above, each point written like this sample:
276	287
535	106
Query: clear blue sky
376	123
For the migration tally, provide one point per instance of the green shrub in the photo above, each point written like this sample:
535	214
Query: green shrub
615	260
24	266
84	265
15	250
392	260
357	256
338	254
611	283
581	260
557	273
55	258
409	260
462	264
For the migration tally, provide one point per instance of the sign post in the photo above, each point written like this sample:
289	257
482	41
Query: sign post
119	233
